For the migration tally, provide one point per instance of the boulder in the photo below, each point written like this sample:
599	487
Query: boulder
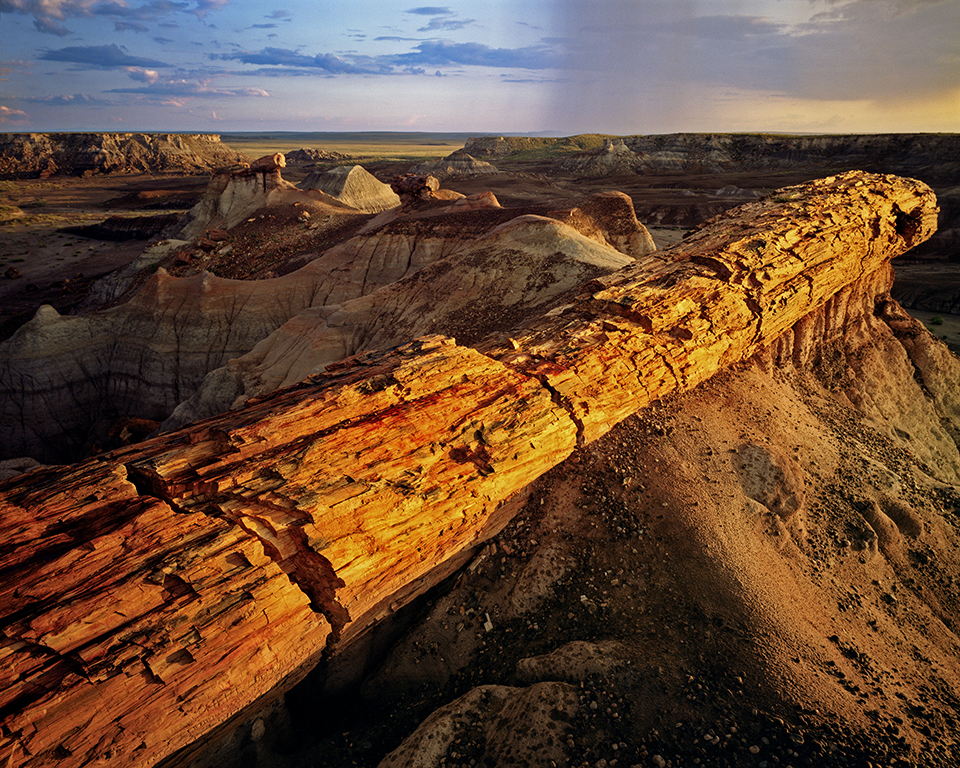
269	162
414	186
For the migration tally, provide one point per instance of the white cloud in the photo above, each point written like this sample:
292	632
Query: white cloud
14	116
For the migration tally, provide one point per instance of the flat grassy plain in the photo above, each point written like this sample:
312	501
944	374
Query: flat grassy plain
373	146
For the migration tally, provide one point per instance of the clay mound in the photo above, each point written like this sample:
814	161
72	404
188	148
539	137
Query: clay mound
456	164
353	186
494	283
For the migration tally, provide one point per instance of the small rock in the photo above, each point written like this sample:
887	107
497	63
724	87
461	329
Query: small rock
12	273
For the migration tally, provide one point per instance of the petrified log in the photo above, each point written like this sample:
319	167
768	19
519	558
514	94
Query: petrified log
150	593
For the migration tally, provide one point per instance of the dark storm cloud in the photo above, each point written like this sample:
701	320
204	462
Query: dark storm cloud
99	57
882	50
646	62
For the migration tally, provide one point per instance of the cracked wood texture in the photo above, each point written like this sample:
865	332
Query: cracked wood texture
149	594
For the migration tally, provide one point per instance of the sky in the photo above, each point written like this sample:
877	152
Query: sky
548	67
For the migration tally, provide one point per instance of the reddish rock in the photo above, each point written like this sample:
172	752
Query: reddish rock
269	162
415	186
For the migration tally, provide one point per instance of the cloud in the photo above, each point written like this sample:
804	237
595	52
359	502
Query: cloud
77	99
150	11
431	10
262	26
205	6
129	26
632	65
49	27
143	75
428	53
190	89
443	53
13	116
57	9
279	15
446	24
282	57
47	14
99	57
439	22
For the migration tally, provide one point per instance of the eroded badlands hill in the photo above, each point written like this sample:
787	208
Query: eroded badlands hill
32	155
926	155
67	382
724	576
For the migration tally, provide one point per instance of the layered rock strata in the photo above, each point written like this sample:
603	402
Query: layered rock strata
151	593
933	155
29	155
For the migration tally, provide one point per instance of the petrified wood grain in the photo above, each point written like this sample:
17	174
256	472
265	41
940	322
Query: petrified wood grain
149	594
